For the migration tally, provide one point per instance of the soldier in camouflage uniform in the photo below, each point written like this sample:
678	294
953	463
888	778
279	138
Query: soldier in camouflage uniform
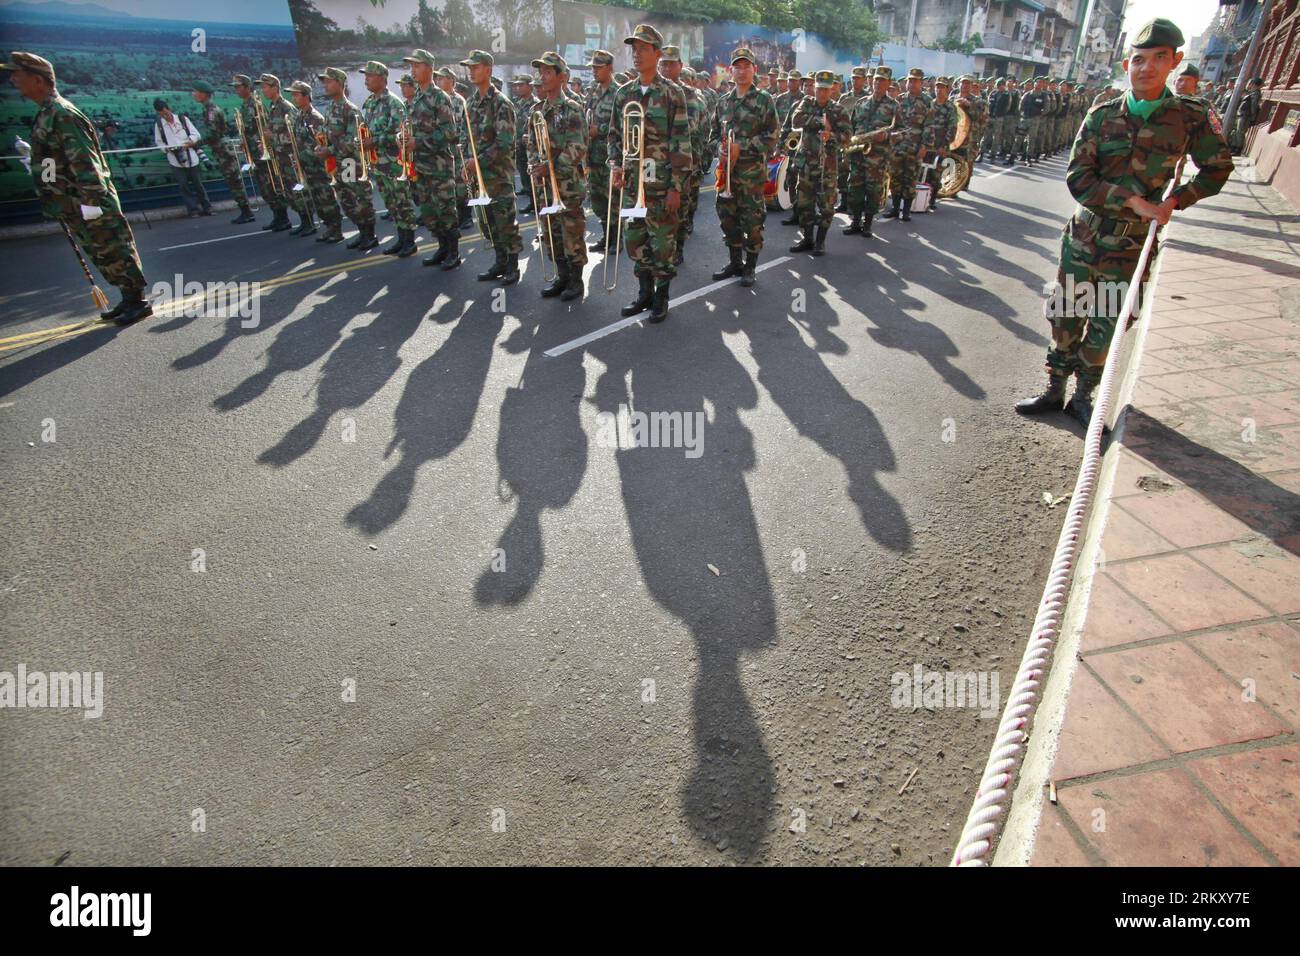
600	119
1247	114
492	132
250	113
939	130
1125	154
908	145
971	99
785	111
278	114
711	97
670	68
524	101
1033	107
748	116
383	113
874	116
431	122
341	121
75	186
665	168
848	101
319	195
213	128
562	234
826	130
446	81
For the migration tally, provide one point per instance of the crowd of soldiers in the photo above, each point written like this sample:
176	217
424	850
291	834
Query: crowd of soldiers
444	156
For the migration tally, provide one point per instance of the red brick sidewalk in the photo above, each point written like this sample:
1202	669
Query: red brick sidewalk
1179	745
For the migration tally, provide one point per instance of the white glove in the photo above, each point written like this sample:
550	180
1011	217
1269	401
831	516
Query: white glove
91	212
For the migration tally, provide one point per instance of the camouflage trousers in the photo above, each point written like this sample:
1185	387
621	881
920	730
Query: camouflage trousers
229	163
295	200
743	215
598	192
1025	144
904	170
1005	134
503	228
396	193
434	197
867	180
690	201
1082	328
354	198
266	188
321	197
652	239
815	204
567	230
111	246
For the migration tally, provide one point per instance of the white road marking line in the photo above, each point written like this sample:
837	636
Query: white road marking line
204	242
631	320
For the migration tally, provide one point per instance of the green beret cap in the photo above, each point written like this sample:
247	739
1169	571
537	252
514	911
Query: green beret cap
202	86
1159	32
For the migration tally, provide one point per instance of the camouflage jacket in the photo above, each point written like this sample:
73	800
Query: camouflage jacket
433	125
305	125
524	107
600	119
940	125
566	128
697	112
912	114
493	119
873	114
751	122
383	113
666	148
1117	155
784	103
65	142
849	100
280	112
212	124
812	118
1248	108
977	108
341	118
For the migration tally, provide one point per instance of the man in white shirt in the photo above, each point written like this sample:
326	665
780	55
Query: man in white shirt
178	136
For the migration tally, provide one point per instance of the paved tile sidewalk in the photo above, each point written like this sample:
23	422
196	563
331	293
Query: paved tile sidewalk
1179	745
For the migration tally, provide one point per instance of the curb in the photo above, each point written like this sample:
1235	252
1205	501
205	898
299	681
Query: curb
1019	834
50	228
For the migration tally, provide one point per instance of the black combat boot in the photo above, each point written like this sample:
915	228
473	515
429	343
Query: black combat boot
453	251
333	233
603	240
659	302
645	292
747	276
245	215
408	243
906	214
275	221
892	211
439	257
1080	405
854	228
466	220
498	267
308	227
843	204
575	288
1052	400
396	245
560	281
819	243
132	308
511	275
791	220
356	240
733	268
866	225
805	243
368	238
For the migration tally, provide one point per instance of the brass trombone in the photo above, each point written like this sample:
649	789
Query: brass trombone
268	157
482	199
363	148
724	185
243	138
633	150
542	143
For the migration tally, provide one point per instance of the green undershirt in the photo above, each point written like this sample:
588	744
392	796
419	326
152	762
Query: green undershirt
1144	108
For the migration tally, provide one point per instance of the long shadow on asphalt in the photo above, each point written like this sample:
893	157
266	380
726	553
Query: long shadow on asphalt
434	414
29	368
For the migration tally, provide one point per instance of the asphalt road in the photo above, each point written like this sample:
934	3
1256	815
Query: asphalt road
561	651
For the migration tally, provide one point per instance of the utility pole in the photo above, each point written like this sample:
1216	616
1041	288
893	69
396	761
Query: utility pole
1083	39
1247	68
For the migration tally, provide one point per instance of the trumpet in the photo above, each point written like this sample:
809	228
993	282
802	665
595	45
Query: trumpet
542	143
724	183
482	199
363	147
633	149
406	153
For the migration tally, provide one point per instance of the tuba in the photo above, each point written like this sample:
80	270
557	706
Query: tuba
963	129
